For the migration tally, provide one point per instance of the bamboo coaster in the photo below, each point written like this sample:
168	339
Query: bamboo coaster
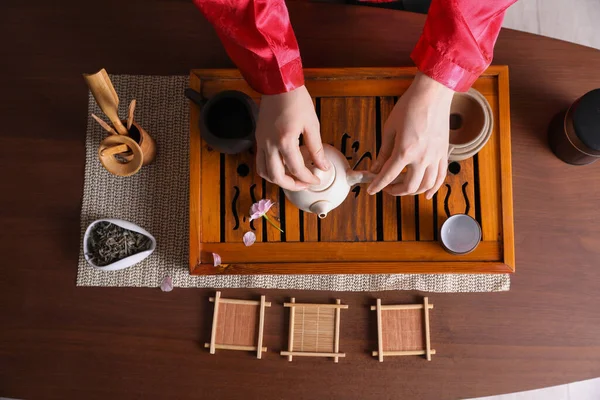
314	330
238	325
403	330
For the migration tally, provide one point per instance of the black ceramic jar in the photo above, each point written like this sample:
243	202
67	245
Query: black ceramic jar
574	134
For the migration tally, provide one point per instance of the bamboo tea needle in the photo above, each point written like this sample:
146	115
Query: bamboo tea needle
103	124
130	115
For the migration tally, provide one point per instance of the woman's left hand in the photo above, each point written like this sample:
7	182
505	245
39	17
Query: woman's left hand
415	136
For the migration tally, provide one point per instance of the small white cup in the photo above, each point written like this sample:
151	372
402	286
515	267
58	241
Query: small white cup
127	261
460	234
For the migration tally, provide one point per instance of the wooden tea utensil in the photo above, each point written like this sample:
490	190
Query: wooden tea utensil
116	149
106	97
130	114
104	125
120	155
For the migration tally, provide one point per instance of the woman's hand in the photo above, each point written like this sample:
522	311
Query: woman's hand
281	120
415	136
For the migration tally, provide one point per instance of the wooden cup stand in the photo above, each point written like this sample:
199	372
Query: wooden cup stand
314	330
234	325
414	318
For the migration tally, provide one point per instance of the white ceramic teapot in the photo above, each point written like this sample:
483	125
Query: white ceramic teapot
335	183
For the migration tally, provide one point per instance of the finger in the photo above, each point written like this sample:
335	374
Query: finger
261	166
276	173
294	162
385	151
410	184
314	145
429	178
390	171
442	170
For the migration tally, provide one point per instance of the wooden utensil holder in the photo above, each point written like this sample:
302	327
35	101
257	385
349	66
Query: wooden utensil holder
124	155
144	140
119	160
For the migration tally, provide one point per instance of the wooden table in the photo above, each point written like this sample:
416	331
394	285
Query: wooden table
60	341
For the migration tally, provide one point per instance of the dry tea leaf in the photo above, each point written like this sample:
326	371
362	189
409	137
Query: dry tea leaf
109	243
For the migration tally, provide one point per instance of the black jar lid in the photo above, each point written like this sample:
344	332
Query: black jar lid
586	119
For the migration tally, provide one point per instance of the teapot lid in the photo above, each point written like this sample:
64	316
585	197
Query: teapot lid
326	177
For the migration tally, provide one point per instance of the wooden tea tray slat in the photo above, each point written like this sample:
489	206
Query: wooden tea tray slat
366	234
354	132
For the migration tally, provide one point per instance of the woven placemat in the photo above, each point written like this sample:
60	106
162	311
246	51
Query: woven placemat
156	199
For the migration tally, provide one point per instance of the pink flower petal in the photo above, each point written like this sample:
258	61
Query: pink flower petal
267	205
216	259
249	238
260	208
255	216
166	284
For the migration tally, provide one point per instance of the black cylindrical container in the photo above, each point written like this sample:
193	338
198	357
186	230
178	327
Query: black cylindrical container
227	121
574	134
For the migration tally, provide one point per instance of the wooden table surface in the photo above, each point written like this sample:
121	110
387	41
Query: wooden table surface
61	341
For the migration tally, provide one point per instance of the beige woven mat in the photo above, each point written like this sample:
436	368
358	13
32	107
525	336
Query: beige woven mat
157	199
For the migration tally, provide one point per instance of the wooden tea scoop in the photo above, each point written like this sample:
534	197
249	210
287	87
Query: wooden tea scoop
104	125
130	115
111	151
106	97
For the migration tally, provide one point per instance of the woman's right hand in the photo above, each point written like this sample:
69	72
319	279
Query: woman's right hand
281	120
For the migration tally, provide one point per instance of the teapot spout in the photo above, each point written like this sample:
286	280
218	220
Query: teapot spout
321	208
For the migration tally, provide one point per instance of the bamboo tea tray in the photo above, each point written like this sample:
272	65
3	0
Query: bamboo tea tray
366	234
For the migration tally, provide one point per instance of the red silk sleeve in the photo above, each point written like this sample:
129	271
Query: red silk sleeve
458	40
258	36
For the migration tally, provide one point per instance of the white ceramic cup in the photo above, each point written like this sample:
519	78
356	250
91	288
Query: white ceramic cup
460	234
127	261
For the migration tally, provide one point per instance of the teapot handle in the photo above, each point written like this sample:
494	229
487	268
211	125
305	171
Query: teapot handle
194	96
358	177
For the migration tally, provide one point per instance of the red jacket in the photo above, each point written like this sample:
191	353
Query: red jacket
455	48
